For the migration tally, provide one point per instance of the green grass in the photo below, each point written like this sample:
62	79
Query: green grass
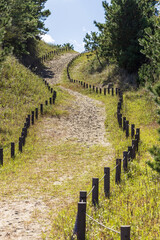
56	171
136	200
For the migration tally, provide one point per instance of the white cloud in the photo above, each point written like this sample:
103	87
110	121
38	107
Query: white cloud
47	38
79	47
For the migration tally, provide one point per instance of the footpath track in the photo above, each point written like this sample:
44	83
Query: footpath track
25	206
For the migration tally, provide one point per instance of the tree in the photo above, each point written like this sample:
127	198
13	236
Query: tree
26	26
150	71
92	44
125	21
5	21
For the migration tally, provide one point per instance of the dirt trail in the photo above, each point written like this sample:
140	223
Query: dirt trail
84	124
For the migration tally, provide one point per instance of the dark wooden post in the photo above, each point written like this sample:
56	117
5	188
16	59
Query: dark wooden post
12	149
132	130
90	86
119	105
100	90
124	123
83	196
138	133
104	91
116	91
1	156
46	102
134	148
125	161
36	113
125	232
118	171
95	192
41	108
112	91
127	129
136	138
29	120
86	85
107	182
81	221
108	90
32	117
120	120
20	144
50	100
96	89
130	156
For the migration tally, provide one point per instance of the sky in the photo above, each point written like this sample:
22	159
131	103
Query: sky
70	20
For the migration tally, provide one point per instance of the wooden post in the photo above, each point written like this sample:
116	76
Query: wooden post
29	120
132	130
36	113
112	91
138	133
107	182
96	89
120	120
108	90
116	91
127	129
50	100
118	171
125	161
124	123
119	105
81	221
105	91
134	148
130	156
41	108
20	144
83	196
125	232
100	90
12	149
93	88
95	184
32	117
86	85
90	86
46	102
136	138
1	156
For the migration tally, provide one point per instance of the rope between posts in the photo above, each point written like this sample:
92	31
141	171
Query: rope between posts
102	224
115	167
91	191
102	177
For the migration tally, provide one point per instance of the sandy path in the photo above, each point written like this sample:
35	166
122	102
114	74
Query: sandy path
84	124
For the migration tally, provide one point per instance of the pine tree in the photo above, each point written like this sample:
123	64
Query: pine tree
5	21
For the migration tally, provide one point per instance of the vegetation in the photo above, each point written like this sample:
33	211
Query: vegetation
137	196
118	38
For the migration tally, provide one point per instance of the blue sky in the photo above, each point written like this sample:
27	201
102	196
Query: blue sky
70	20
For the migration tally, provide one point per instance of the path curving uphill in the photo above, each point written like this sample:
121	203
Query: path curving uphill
84	124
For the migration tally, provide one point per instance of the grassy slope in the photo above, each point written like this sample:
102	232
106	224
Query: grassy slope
136	200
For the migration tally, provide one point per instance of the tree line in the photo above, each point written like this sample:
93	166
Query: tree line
130	37
21	24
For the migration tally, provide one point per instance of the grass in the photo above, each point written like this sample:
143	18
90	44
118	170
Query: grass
136	200
54	171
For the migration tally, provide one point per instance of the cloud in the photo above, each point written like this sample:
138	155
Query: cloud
79	47
47	38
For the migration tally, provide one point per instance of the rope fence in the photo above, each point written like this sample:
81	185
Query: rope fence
30	118
128	156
